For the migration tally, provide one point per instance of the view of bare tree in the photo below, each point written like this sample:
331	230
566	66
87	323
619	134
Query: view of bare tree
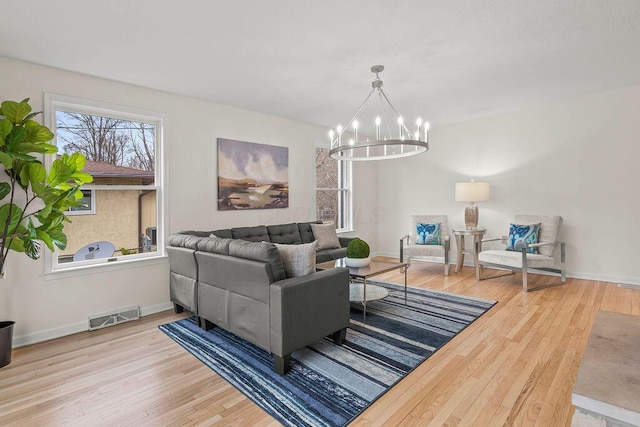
326	178
106	139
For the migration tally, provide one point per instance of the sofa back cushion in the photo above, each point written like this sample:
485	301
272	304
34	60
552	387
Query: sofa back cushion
258	233
184	240
196	233
214	245
259	251
286	234
306	234
225	233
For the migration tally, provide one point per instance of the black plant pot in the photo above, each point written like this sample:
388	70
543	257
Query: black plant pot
6	341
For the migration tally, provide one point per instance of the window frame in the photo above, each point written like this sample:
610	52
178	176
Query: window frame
345	186
55	102
92	205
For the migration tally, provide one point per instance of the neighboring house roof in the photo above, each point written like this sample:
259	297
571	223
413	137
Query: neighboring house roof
108	170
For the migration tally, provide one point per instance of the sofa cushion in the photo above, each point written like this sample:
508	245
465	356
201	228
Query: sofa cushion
196	233
522	235
427	234
329	254
225	233
306	234
287	234
326	236
259	251
251	234
214	245
298	260
184	240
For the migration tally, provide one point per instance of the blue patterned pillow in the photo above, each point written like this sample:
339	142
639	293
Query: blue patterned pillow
428	234
521	235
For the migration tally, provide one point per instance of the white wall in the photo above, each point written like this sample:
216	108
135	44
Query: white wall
47	308
579	158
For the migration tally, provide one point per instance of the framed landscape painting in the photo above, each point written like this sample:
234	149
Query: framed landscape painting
252	176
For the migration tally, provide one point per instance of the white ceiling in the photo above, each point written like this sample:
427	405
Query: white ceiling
309	60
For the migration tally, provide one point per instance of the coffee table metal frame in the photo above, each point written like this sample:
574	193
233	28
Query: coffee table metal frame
364	273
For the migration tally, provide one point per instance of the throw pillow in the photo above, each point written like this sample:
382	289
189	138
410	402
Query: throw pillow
325	235
521	235
428	234
298	260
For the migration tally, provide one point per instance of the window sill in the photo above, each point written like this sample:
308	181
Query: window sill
105	267
344	230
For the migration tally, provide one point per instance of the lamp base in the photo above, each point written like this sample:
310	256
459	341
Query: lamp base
471	217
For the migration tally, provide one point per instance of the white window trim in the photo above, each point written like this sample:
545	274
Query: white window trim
348	189
54	102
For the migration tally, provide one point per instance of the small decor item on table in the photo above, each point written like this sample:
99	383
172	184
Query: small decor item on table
358	253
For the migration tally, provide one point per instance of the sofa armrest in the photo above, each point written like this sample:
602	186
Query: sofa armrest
305	309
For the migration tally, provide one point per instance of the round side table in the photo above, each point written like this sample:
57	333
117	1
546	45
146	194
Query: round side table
477	234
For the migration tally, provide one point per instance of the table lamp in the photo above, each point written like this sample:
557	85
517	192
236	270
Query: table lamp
471	192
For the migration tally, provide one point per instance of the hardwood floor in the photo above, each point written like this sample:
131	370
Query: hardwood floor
516	365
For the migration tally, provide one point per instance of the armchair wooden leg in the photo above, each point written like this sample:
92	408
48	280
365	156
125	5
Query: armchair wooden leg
177	308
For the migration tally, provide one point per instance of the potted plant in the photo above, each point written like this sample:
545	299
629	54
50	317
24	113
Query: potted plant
32	202
358	253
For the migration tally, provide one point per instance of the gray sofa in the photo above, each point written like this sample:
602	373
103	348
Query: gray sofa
240	285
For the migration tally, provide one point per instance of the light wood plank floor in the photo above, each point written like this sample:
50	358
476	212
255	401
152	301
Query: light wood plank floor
516	365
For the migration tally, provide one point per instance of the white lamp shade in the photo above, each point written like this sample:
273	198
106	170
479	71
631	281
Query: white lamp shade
472	191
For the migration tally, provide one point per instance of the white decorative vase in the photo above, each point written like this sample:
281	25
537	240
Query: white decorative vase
357	262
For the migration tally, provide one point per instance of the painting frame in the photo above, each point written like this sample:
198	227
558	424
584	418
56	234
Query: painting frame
252	175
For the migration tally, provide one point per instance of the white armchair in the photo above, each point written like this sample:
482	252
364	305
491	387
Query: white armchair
521	260
410	249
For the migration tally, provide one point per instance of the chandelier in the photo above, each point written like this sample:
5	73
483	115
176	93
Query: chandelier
391	141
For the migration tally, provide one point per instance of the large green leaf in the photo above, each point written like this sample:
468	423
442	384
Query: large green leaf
5	189
15	244
44	236
15	138
16	111
35	132
5	128
10	215
58	237
31	147
6	160
59	173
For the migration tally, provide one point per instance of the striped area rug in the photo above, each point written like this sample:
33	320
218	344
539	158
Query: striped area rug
329	385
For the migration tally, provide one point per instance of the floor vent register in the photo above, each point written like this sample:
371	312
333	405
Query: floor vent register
100	321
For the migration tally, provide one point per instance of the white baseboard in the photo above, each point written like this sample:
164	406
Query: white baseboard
628	286
624	281
74	328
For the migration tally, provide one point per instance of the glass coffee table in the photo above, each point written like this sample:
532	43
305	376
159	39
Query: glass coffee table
359	291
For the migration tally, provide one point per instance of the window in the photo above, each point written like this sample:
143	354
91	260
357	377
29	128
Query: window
333	190
87	206
122	216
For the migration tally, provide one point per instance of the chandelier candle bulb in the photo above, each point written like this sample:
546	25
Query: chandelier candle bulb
426	131
400	121
355	130
378	121
331	137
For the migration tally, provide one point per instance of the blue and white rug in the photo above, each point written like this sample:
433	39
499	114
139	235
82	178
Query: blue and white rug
329	385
